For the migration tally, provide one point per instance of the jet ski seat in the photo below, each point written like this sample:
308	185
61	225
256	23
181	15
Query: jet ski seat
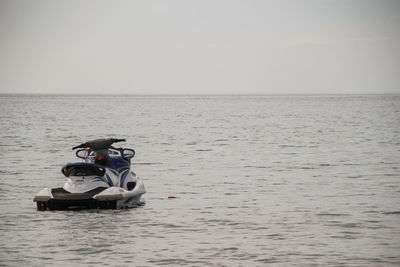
83	169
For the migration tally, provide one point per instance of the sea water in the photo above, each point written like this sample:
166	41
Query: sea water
256	180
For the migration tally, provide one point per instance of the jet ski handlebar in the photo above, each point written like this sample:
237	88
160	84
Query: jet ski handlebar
99	143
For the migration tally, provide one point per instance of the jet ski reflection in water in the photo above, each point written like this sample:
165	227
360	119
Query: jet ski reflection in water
104	180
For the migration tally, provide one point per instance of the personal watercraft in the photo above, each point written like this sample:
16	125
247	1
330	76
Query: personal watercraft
103	180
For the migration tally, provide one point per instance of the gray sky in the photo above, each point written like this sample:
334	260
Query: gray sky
196	47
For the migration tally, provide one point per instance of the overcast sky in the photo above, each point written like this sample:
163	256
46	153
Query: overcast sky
200	46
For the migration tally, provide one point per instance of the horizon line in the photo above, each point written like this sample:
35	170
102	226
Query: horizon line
197	94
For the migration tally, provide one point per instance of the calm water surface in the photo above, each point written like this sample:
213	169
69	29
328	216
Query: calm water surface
280	180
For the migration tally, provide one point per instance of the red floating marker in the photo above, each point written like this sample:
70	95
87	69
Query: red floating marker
171	197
